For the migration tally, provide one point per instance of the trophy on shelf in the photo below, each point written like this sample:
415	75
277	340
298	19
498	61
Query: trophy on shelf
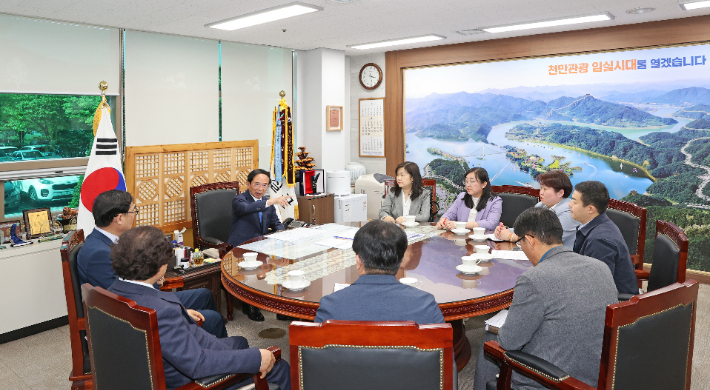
54	230
17	241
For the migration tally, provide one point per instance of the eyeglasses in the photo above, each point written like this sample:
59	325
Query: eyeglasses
470	181
135	211
517	242
259	185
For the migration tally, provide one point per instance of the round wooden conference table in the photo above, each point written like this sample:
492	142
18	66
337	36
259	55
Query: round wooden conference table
430	258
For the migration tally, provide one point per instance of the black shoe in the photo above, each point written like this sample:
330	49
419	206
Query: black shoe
252	312
283	317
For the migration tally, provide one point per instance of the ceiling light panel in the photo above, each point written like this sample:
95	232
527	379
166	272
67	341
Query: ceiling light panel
550	23
395	42
265	16
691	5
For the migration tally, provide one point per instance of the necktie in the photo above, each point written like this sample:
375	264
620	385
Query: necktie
260	222
578	241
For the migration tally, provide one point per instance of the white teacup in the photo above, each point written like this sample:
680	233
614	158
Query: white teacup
478	232
408	281
250	257
460	225
297	276
470	260
409	218
481	248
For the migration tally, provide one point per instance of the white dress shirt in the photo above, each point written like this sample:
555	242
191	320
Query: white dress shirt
472	215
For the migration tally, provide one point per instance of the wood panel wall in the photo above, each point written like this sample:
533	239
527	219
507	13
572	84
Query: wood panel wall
642	35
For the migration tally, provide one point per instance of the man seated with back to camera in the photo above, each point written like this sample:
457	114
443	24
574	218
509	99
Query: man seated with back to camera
253	215
558	308
140	258
114	212
377	295
599	237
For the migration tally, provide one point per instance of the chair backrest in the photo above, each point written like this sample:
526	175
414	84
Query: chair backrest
516	199
429	184
349	355
211	206
124	342
648	340
670	254
72	243
631	220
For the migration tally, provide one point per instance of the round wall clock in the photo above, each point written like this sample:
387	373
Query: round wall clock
370	76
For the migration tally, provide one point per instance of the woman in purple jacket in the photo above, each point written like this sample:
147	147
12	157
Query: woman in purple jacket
478	206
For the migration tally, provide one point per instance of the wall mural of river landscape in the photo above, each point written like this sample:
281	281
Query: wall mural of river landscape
636	120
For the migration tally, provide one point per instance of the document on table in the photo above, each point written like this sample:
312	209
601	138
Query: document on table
348	234
298	234
411	236
335	242
339	286
496	322
509	255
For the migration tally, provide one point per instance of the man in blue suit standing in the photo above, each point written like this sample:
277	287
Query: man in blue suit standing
114	212
254	216
140	259
377	295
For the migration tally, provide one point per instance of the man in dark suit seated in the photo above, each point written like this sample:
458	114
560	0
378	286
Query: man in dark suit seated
599	237
377	295
558	308
114	212
254	216
140	259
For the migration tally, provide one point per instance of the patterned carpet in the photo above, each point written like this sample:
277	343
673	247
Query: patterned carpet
42	361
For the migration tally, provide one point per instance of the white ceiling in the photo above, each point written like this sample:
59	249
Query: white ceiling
340	25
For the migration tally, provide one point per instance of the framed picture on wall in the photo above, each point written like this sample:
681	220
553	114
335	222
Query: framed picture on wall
334	118
37	222
5	230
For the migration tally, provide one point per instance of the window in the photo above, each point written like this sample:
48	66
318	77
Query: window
53	192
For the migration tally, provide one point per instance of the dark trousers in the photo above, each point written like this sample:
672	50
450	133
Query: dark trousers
280	374
201	300
486	368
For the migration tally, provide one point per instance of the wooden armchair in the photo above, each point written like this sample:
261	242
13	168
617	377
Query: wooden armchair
670	256
125	347
631	220
80	375
210	208
350	355
648	345
516	199
429	184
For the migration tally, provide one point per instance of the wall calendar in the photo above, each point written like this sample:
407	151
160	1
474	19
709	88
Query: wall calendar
372	127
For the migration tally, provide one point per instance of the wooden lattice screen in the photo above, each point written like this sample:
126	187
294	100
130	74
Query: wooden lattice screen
160	176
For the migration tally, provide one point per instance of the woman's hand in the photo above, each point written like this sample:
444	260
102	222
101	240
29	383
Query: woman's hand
450	225
502	233
388	219
400	220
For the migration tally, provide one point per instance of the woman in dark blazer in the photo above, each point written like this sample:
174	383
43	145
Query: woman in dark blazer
407	197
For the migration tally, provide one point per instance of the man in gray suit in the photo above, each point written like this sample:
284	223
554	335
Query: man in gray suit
558	307
377	295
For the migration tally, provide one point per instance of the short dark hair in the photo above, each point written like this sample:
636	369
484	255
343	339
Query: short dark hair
556	180
541	223
417	185
258	171
109	204
140	252
381	246
594	193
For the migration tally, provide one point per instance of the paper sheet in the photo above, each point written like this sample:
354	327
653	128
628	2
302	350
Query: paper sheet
297	234
339	286
334	242
348	234
497	320
509	255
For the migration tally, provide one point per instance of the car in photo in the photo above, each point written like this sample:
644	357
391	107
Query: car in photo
12	196
49	189
5	156
27	155
43	149
7	151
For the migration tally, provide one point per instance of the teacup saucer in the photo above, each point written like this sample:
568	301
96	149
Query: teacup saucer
460	231
250	265
492	237
296	286
410	224
469	269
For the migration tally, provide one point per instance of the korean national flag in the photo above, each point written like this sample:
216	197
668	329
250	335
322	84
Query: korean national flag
103	173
